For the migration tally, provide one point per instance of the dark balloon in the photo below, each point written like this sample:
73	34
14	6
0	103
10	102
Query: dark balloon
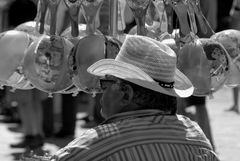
89	50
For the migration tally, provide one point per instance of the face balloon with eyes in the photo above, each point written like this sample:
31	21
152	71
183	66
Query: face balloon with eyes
46	64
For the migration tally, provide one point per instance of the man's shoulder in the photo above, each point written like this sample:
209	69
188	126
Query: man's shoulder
177	128
177	122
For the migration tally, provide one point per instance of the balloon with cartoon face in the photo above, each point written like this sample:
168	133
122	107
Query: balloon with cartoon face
219	62
46	64
230	39
206	63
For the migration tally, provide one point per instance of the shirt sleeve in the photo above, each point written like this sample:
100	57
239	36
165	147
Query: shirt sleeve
76	147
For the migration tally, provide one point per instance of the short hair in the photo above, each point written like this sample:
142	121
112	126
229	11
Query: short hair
149	99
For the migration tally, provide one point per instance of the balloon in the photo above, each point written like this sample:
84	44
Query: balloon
46	64
206	63
230	39
12	52
23	84
82	33
89	50
30	28
151	31
219	62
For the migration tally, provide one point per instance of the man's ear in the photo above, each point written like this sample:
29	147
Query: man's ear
127	94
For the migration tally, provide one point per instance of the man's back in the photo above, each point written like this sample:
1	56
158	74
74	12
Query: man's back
143	135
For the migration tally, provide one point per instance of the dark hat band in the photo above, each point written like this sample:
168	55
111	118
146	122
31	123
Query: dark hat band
165	84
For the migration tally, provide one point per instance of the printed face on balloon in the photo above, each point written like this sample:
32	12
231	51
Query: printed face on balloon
50	59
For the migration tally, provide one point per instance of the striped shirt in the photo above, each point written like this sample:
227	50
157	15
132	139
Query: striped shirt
144	135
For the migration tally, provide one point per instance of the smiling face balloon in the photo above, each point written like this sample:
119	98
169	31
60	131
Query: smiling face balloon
46	64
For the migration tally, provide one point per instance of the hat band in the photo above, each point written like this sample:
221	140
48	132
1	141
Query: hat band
165	84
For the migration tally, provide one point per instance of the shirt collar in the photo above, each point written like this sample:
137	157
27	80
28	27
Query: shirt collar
134	114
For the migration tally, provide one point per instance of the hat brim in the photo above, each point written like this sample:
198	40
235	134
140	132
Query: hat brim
182	85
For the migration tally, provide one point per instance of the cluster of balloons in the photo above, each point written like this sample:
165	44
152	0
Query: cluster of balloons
58	63
33	56
32	60
210	60
51	63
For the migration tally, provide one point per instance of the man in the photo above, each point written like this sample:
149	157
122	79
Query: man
140	88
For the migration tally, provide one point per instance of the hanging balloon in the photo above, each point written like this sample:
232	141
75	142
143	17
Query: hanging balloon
67	33
150	14
204	29
169	14
45	6
46	64
73	10
219	62
206	63
31	28
139	9
151	31
230	39
12	52
88	50
121	17
180	8
84	55
162	15
81	28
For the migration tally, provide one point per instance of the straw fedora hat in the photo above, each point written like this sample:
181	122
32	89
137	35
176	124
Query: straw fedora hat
147	63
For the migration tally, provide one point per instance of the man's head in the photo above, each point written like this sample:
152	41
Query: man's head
121	96
143	75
